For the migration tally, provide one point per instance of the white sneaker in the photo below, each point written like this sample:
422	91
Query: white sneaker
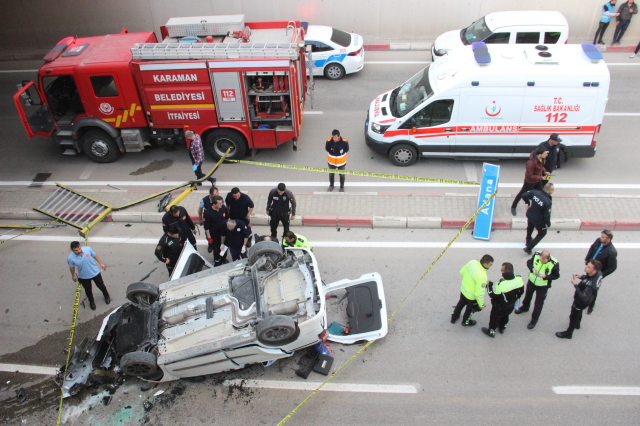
633	55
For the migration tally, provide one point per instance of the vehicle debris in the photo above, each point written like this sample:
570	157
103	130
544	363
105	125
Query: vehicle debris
21	395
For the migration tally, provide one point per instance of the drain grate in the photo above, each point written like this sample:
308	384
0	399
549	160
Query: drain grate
40	178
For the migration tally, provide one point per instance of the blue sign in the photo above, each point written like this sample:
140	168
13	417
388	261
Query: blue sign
484	220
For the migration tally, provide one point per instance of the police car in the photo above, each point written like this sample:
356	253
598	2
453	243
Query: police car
334	52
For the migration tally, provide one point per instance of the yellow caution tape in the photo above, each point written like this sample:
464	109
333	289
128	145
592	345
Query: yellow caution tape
33	229
369	343
76	304
354	173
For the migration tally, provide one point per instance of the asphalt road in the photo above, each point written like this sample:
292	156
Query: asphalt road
344	105
460	375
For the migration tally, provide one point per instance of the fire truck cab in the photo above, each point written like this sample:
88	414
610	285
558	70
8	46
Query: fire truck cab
239	85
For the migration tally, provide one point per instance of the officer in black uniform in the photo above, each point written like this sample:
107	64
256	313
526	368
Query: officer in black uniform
280	204
206	202
543	269
582	298
503	296
169	248
214	220
554	159
603	251
177	216
538	214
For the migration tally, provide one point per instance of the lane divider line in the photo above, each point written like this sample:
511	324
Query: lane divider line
28	369
597	390
330	387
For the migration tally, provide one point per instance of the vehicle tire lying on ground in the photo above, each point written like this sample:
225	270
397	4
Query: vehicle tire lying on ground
143	294
276	330
138	364
271	249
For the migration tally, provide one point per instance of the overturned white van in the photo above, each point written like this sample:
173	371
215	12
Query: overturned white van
495	102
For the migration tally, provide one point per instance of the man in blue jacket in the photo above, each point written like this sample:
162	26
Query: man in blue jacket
607	13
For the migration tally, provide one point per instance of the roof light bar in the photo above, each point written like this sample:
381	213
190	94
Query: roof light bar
481	53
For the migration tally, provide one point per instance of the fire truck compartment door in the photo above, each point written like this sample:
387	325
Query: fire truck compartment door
35	115
229	100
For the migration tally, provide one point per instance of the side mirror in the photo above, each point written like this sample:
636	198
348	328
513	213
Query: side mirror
414	129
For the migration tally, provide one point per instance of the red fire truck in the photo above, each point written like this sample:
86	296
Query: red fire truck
240	85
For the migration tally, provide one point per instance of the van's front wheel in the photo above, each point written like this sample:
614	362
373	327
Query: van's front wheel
403	155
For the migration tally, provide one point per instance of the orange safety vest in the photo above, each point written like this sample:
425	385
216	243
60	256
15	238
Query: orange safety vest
337	160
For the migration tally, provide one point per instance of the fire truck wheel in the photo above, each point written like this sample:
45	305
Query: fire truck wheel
219	141
334	71
100	147
403	155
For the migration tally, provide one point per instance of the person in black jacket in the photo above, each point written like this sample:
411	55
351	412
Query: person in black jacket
503	298
585	290
214	220
177	216
337	148
538	214
603	251
236	236
169	248
554	158
240	206
543	269
278	208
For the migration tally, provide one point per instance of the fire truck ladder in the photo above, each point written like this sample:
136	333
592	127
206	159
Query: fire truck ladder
73	208
160	51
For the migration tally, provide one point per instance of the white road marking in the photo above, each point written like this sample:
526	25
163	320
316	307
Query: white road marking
621	63
28	369
623	114
312	112
597	390
378	184
336	244
396	62
87	171
471	171
330	387
14	71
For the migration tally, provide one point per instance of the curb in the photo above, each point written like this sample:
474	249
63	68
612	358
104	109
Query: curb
518	223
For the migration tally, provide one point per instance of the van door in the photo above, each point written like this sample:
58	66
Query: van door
108	99
359	307
488	123
433	127
35	115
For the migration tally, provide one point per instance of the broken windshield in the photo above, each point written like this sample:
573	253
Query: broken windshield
415	90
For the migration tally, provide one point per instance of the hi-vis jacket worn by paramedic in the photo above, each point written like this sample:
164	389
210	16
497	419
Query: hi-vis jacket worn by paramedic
505	293
474	281
551	270
301	241
337	152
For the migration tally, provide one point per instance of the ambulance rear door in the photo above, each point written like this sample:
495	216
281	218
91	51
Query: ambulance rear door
489	118
557	104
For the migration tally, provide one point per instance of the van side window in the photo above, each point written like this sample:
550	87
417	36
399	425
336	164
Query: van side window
528	38
498	38
104	86
434	114
552	37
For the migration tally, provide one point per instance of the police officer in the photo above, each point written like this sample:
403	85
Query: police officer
169	248
236	235
603	251
177	216
474	281
240	206
543	268
538	215
503	298
583	296
295	240
214	221
206	202
280	204
337	148
554	158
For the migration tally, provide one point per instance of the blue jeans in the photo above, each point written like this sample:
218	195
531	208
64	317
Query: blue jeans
236	254
620	30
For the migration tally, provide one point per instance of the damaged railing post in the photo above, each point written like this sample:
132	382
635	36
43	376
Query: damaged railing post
85	231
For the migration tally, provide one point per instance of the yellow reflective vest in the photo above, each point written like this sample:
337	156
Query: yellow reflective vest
542	269
301	241
474	281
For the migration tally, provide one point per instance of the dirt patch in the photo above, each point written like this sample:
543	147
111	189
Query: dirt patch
153	167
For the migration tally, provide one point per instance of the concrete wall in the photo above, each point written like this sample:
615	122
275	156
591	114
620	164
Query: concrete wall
39	24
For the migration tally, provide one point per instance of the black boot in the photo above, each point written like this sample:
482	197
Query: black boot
564	334
502	329
521	310
490	333
469	323
92	305
107	298
531	325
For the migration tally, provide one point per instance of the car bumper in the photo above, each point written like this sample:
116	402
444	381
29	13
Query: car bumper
582	151
374	145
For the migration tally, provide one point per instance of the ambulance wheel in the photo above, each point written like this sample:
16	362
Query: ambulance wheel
334	71
100	147
219	141
403	155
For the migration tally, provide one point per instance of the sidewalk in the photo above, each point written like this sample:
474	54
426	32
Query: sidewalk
362	209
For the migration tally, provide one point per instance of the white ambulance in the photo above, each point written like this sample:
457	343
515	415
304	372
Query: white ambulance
495	102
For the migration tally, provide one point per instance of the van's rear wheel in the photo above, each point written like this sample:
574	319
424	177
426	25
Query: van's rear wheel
403	155
218	142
